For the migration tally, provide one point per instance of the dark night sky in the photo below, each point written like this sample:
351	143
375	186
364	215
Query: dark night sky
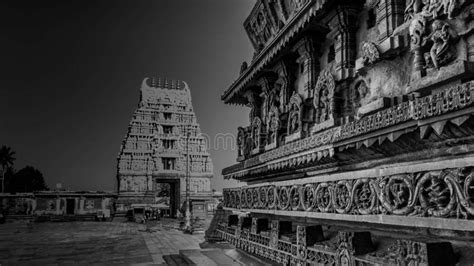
70	75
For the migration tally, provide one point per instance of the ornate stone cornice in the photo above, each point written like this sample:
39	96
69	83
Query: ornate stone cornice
281	39
428	112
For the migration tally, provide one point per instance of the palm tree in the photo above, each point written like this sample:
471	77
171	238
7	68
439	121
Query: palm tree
6	160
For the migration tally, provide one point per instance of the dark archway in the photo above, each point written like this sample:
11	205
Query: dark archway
168	188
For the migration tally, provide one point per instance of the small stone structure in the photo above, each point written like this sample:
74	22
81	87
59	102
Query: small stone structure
45	203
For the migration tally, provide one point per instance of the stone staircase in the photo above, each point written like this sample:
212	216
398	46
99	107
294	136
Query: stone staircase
66	218
214	257
19	217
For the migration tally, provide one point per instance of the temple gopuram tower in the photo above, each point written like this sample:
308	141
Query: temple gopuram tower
359	148
162	133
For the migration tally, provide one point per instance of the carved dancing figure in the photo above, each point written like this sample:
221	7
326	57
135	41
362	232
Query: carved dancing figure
256	137
441	51
294	124
436	8
241	142
324	104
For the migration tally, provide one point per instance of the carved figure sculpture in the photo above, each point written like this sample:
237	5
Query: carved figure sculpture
273	125
241	141
243	67
324	104
436	8
370	53
324	96
256	132
441	52
294	124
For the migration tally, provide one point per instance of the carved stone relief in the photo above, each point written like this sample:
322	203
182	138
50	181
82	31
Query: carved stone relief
370	53
323	100
241	137
257	134
273	125
430	29
294	116
448	193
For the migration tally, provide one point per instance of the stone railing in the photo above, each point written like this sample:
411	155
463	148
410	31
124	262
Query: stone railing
346	248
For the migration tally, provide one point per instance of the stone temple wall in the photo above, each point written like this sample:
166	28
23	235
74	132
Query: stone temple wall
156	144
361	128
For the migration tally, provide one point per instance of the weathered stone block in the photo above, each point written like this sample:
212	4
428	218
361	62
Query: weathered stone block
457	70
326	124
293	137
374	106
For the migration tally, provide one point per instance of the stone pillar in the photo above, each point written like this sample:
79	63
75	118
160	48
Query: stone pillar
58	206
285	71
33	205
150	183
417	30
390	15
344	27
267	83
308	51
81	205
276	229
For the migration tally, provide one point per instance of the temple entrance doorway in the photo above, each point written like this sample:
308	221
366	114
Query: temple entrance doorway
167	196
70	203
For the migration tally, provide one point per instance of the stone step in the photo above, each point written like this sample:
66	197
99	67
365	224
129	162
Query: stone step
211	257
245	258
175	260
197	257
214	257
12	217
219	257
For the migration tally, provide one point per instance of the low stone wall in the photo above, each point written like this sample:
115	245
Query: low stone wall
57	203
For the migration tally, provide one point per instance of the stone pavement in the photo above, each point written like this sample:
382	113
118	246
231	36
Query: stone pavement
91	242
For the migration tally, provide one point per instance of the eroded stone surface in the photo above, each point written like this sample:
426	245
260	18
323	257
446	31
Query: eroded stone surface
91	242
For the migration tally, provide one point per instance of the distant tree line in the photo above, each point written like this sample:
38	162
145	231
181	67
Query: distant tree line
27	179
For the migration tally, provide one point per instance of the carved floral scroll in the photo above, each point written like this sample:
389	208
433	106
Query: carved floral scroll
448	193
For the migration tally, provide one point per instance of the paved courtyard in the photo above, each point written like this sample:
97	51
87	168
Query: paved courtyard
91	242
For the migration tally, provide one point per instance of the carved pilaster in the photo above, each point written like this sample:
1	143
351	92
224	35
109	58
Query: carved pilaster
389	16
254	102
308	52
284	83
274	233
307	236
268	95
351	244
344	27
258	135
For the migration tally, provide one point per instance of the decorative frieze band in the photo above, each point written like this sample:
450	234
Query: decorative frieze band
445	193
438	103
